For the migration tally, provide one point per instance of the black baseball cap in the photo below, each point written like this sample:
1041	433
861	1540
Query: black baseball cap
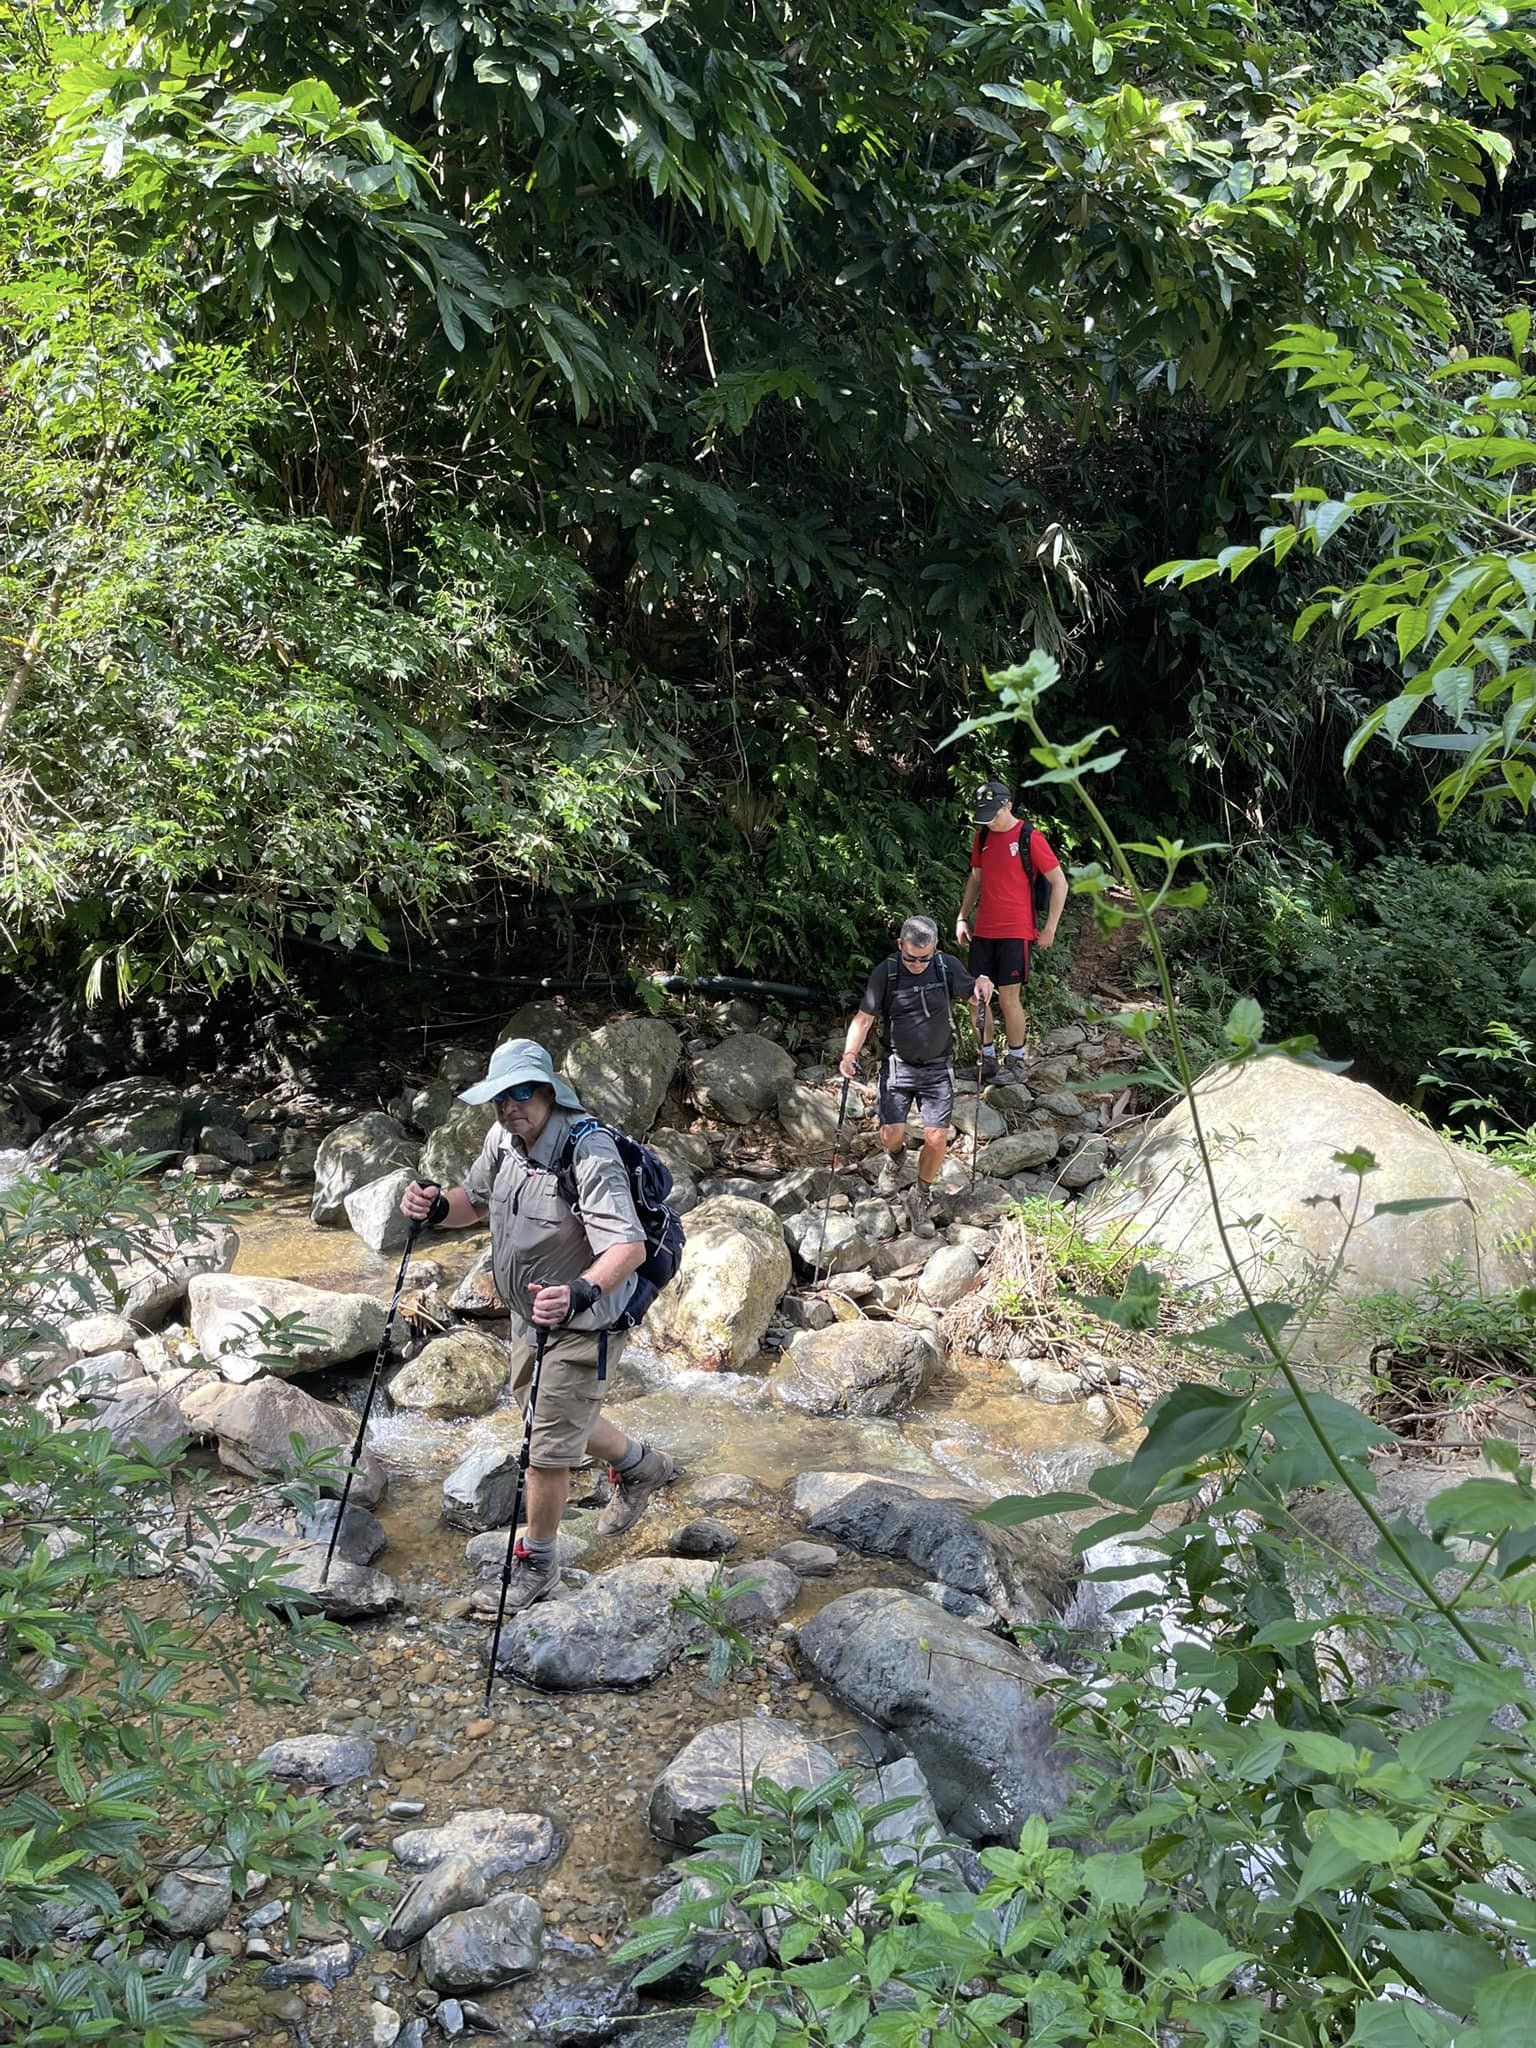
988	800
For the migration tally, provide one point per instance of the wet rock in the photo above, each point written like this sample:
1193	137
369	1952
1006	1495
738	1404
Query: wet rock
194	1897
451	1886
319	1759
231	1314
354	1154
462	1373
807	1116
914	1834
701	1538
584	2015
362	1535
91	1336
978	1119
255	1425
136	1415
348	1592
793	1193
384	2024
1022	1152
1049	1383
814	1492
374	1213
622	1071
968	1707
486	1554
969	1606
454	1145
951	1272
619	1629
838	1246
720	1488
808	1560
1021	1572
859	1368
327	1965
497	1842
723	1934
739	1078
735	1266
722	1764
759	1591
476	1293
485	1947
480	1490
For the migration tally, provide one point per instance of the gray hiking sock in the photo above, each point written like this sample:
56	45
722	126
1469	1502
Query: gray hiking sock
537	1553
631	1458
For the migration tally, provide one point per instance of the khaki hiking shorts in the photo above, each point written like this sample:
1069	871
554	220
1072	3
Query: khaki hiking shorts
570	1393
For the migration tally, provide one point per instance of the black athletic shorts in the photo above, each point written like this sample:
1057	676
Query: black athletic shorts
1003	961
931	1087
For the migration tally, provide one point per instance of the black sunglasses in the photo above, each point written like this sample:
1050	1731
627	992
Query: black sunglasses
916	959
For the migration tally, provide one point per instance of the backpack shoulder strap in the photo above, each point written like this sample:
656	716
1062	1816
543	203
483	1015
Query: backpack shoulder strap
565	1165
892	969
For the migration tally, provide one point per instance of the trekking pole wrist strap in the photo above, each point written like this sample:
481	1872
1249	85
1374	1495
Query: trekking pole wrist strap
583	1293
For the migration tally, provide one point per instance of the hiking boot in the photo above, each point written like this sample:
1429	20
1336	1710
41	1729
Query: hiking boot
919	1207
889	1181
1014	1063
988	1064
531	1579
632	1491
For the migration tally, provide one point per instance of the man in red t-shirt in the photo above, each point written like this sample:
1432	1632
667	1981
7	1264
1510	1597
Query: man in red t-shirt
1005	858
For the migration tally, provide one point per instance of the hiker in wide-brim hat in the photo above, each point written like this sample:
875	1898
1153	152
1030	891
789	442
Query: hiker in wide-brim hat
563	1267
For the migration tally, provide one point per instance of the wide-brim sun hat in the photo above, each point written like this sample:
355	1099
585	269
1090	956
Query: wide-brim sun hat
519	1059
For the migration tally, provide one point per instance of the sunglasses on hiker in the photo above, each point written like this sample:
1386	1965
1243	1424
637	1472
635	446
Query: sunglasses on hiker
520	1091
916	959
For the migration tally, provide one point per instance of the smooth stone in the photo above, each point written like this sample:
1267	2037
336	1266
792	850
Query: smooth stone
451	1886
498	1842
950	1274
228	1313
485	1947
320	1759
721	1765
461	1373
857	1368
353	1155
808	1560
701	1538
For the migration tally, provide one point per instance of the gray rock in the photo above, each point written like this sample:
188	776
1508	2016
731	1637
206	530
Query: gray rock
813	1492
856	1286
735	1265
951	1272
1051	1073
876	1220
224	1144
840	1248
1090	1162
622	1071
900	1253
859	1368
587	2014
1022	1572
688	1154
1065	1038
153	1283
806	1188
969	1708
362	1534
231	1316
720	1488
913	1835
978	1119
740	1186
1011	1097
486	1553
485	1947
723	1934
478	1493
137	1114
194	1897
385	2024
739	1078
982	1204
91	1336
808	1560
759	1591
452	1885
1060	1102
373	1211
969	1606
701	1538
326	1965
354	1154
99	1374
722	1764
319	1759
348	1592
546	1024
454	1145
461	1373
136	1415
807	1116
498	1842
806	1312
1021	1152
255	1426
619	1629
476	1293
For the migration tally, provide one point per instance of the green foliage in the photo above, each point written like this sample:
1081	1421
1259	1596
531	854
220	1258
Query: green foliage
1444	1344
113	1764
726	1650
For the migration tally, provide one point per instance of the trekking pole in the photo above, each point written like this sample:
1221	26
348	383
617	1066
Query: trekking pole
976	1128
373	1388
821	1242
540	1339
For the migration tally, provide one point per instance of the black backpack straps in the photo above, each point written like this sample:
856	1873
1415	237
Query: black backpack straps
888	1000
565	1165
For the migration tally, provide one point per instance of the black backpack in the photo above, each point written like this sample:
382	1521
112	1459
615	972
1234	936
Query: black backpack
941	961
650	1183
1040	888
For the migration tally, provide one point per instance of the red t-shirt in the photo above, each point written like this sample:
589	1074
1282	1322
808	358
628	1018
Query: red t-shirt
1007	908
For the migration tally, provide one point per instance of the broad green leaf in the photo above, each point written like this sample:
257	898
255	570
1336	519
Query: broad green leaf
1191	1423
1448	1968
1136	1307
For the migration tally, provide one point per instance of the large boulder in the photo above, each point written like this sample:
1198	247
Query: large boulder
485	1947
723	1762
735	1266
1273	1127
461	1373
1020	1572
618	1629
949	1274
374	1211
231	1314
622	1071
152	1282
138	1114
455	1144
807	1115
355	1154
739	1078
856	1368
970	1708
546	1024
136	1415
254	1426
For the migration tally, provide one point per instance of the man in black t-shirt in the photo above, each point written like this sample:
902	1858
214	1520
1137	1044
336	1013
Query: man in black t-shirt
912	993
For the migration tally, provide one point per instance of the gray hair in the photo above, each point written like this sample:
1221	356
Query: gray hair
920	931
